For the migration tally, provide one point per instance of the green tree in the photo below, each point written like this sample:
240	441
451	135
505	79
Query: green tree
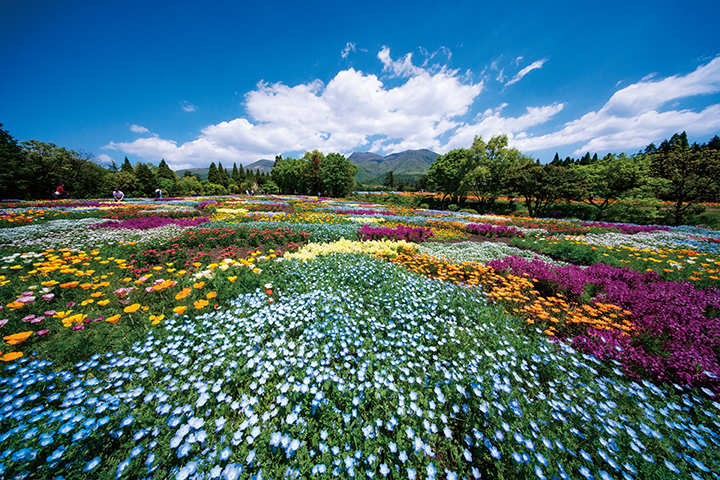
284	174
389	179
127	166
312	178
146	180
223	176
49	165
692	174
213	175
490	163
448	172
189	185
338	175
15	179
542	186
124	181
609	179
167	179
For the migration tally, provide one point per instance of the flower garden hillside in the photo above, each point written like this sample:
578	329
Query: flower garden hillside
271	337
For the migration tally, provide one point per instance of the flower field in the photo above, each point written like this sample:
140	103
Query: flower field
297	337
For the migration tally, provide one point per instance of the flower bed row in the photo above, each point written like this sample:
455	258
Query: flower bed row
401	232
487	230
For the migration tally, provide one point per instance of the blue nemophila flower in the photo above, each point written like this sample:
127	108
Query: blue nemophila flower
184	450
121	467
319	469
403	456
92	464
671	467
45	439
585	472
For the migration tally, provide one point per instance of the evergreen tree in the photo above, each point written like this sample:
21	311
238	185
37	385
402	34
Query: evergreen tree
223	175
15	181
214	175
146	180
127	167
164	171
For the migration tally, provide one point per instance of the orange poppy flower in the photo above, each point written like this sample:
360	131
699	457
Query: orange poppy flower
132	308
211	295
9	357
201	304
180	310
17	338
113	319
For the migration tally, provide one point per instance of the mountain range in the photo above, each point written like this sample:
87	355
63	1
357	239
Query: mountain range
372	168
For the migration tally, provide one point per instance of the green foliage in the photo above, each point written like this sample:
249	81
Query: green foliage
338	175
146	180
13	183
692	174
447	173
544	185
491	162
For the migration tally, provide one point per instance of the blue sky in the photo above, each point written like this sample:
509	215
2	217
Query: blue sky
233	82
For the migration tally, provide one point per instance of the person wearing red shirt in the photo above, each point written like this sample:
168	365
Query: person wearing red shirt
60	192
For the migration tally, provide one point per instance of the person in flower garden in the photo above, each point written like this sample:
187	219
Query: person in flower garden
158	193
118	195
61	192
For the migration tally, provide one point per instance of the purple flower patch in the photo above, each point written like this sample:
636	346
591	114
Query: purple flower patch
401	232
146	223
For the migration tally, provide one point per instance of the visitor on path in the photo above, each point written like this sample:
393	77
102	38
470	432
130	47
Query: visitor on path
61	193
158	193
118	195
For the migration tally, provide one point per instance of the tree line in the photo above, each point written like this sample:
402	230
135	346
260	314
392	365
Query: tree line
33	170
676	171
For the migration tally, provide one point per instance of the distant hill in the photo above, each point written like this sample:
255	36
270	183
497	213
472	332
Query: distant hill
265	166
407	165
200	172
372	168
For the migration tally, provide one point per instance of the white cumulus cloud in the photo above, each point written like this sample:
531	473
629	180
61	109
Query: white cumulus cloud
138	129
406	106
634	116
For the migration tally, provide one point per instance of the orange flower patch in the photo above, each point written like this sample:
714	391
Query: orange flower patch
555	315
183	293
17	338
9	357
